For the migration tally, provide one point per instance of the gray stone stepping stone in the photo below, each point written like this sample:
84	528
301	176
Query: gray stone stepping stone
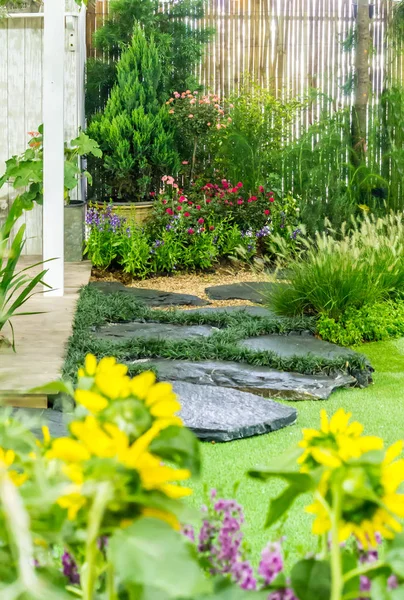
125	331
296	344
149	297
252	291
221	414
55	420
253	311
263	381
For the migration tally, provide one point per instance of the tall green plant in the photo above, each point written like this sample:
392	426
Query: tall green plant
180	45
134	131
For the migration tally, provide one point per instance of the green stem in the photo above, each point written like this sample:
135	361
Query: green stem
336	563
363	570
111	592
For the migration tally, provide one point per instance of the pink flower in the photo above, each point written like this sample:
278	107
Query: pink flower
208	200
229	119
190	116
234	190
209	124
192	101
261	189
218	126
225	185
184	162
211	228
171	112
198	207
191	231
187	214
272	199
164	178
240	201
169	211
267	211
170	180
181	199
239	185
190	203
175	186
152	194
250	200
179	208
164	201
201	221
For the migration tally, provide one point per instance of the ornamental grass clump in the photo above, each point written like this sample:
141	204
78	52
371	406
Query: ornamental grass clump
350	268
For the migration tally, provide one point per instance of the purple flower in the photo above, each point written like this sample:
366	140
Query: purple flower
295	233
70	569
264	232
271	562
285	594
158	243
392	582
189	532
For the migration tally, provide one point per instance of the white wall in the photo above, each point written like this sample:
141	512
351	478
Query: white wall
21	96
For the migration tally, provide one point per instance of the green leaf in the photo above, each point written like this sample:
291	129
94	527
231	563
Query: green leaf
72	171
379	589
311	579
395	555
226	590
85	145
280	505
54	388
349	563
180	445
150	553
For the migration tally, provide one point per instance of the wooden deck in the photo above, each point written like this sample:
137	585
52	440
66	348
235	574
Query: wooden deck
40	339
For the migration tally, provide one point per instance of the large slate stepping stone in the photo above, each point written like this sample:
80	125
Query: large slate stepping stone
253	311
263	381
55	420
296	344
118	332
149	297
221	414
253	291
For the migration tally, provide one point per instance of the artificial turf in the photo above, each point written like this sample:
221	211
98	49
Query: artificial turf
379	407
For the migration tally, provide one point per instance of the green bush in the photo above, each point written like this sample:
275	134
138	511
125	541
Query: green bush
134	131
180	45
372	323
339	271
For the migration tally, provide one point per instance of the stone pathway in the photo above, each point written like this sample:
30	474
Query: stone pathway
118	332
253	311
220	414
252	291
149	297
262	381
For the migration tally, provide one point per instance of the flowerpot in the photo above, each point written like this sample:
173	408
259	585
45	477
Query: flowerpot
74	230
24	6
137	211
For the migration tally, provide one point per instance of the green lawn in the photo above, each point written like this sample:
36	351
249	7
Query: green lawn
380	408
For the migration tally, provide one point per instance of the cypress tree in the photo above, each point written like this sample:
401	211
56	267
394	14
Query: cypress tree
134	131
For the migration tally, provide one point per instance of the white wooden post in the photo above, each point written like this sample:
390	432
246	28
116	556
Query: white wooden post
53	120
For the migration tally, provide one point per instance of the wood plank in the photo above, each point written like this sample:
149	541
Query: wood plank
24	401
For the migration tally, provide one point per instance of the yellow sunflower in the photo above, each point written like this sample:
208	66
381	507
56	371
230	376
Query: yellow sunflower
336	442
7	458
365	517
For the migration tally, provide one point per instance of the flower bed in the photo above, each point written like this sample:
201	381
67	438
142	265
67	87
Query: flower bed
191	231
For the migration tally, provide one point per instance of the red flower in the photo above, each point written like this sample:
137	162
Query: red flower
198	207
201	221
261	189
211	228
225	185
152	194
250	199
191	231
267	211
203	229
179	208
253	198
190	203
208	200
271	199
187	214
169	211
181	199
164	201
234	190
240	201
239	185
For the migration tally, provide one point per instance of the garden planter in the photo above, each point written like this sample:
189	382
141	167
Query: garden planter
74	230
138	211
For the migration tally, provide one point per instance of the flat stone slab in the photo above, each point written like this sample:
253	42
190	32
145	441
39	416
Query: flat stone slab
296	344
221	414
253	291
263	381
253	311
149	297
55	420
147	331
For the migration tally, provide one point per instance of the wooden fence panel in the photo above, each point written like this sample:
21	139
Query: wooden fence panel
289	46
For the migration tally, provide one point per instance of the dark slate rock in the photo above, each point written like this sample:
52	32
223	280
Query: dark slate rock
253	311
263	381
220	414
35	418
296	344
125	331
149	297
253	291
